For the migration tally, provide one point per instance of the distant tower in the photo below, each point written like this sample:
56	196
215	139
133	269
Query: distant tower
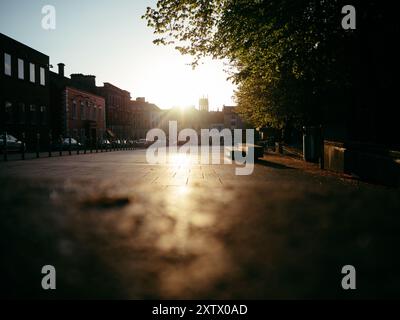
203	104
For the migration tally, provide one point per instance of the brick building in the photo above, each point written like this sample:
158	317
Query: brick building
80	113
118	111
24	91
145	116
85	114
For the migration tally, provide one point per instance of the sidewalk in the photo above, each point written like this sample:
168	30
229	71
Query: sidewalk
293	160
115	227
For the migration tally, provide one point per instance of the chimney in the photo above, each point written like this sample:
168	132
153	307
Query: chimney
61	69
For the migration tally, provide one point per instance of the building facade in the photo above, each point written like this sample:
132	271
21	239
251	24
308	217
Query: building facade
85	115
78	113
203	104
145	116
24	92
118	111
215	120
231	119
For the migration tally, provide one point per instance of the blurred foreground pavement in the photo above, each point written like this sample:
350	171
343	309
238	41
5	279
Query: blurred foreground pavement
115	227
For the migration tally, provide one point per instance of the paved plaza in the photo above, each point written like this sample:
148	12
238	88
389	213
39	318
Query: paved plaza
115	226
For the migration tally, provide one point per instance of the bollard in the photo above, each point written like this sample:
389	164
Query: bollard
50	143
69	146
5	146
321	146
61	145
23	146
278	147
37	144
84	144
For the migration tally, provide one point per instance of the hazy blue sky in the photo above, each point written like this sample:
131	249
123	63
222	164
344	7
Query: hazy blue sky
108	38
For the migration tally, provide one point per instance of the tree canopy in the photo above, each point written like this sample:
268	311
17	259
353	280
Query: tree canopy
289	58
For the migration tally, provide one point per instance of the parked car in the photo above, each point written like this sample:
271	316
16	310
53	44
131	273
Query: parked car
143	143
130	143
118	143
68	144
105	143
13	144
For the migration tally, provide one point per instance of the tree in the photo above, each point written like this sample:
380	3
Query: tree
289	58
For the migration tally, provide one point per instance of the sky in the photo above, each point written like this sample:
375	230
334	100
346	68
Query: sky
108	39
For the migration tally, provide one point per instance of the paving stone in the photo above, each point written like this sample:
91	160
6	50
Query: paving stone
116	227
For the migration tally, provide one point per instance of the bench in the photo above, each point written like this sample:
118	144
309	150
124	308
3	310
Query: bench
243	149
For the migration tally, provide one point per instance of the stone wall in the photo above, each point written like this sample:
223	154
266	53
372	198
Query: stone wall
369	163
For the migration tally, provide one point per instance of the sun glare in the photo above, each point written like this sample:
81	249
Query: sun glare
180	159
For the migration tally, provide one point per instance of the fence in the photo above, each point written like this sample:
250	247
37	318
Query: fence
13	149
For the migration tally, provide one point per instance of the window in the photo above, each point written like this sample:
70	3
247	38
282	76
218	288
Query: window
87	116
83	135
32	110
21	69
94	113
43	115
82	111
99	114
7	64
74	111
42	77
32	72
22	113
9	111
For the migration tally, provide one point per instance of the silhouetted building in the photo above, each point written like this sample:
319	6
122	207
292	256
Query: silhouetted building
145	116
231	119
24	95
203	104
118	112
215	120
78	113
84	82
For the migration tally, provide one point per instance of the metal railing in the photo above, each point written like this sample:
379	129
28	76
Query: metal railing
21	150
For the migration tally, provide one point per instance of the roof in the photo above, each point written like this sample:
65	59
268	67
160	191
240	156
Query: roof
84	92
5	38
107	85
143	105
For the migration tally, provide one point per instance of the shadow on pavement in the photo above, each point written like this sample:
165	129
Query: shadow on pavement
271	164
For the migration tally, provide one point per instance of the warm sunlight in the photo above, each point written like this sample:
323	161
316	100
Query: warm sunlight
182	150
180	159
176	84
